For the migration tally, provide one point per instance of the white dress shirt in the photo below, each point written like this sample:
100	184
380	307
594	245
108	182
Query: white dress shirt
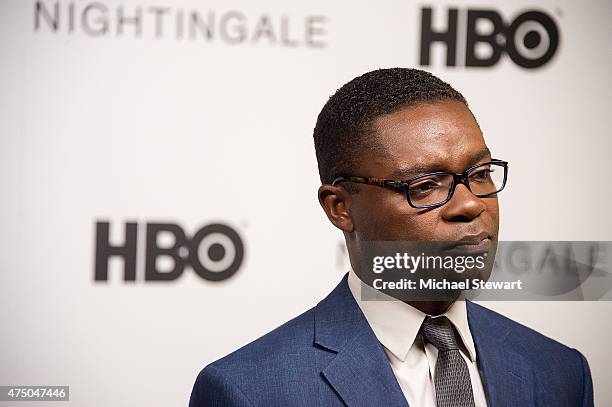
396	325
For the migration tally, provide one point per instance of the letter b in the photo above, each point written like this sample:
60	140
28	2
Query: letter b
473	38
152	273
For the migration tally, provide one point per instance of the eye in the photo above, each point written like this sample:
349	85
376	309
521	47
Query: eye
482	174
424	187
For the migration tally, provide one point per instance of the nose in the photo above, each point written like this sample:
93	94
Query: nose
463	206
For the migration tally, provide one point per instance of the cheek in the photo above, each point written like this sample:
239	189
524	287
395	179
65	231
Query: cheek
493	211
372	221
391	218
493	208
418	226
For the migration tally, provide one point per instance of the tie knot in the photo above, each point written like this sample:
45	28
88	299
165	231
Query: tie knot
439	332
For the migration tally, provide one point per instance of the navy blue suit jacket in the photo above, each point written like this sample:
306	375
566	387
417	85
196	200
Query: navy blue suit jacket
329	356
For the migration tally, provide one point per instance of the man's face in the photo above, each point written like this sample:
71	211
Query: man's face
442	136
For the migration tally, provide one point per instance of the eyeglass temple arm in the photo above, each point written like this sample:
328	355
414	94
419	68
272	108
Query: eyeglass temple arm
370	181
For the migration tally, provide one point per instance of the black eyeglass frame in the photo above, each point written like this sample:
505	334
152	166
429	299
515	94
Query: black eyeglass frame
403	185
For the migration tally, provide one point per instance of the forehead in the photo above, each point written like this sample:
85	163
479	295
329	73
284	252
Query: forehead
427	136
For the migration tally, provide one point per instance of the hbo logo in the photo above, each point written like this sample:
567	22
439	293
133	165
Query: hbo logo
530	40
215	252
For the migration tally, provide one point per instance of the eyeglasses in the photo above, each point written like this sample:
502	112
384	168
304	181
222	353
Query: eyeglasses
437	188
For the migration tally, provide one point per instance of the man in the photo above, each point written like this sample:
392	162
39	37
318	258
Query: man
400	125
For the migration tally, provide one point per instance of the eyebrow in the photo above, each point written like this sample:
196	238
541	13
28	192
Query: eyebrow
413	171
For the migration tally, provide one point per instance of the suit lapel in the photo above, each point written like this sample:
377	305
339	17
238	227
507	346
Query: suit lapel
505	372
360	372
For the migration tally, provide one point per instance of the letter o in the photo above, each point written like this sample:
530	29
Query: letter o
532	39
216	269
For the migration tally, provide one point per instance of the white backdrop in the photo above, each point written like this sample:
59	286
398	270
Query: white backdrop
195	130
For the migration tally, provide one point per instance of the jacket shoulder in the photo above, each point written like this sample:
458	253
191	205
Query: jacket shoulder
213	388
518	333
278	360
291	337
563	371
546	356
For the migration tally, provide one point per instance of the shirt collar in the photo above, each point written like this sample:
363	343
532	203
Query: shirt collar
397	324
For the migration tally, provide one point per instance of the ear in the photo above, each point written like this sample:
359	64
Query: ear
335	201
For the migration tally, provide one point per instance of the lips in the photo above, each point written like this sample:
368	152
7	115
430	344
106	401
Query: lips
471	244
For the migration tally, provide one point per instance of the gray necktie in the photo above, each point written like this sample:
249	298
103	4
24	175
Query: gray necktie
452	377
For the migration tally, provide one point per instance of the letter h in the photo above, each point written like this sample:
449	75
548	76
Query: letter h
429	36
104	251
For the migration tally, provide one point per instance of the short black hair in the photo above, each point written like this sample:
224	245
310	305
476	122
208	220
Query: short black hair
344	126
